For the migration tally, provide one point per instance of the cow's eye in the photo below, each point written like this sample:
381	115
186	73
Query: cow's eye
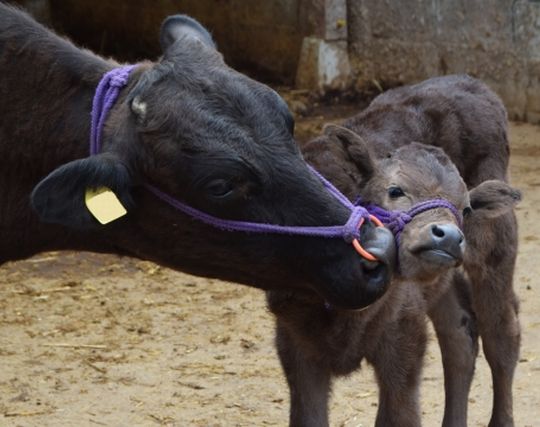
395	192
467	211
219	188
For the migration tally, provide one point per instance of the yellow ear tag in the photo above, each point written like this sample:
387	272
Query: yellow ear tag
103	204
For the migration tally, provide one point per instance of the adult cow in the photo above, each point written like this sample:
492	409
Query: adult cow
190	126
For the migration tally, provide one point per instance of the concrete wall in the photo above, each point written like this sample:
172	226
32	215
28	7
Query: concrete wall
498	41
328	45
268	38
262	36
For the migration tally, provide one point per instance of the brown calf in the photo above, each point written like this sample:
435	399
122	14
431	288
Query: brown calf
374	157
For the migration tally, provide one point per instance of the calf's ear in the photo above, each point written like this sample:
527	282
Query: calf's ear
355	146
60	197
179	26
493	198
341	156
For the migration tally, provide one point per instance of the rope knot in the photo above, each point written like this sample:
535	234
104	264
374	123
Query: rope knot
118	80
351	228
397	220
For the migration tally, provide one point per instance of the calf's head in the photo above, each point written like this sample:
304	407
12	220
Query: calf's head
223	143
433	240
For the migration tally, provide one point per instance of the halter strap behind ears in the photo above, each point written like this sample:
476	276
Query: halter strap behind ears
105	96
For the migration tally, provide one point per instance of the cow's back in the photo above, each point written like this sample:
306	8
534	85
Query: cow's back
457	113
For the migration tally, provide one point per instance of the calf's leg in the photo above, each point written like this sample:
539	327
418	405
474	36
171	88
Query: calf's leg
398	364
456	329
491	269
308	380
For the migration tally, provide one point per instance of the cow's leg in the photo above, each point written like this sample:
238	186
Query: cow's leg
309	383
398	365
457	333
496	308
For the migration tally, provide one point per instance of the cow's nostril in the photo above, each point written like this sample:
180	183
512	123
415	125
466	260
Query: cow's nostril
437	231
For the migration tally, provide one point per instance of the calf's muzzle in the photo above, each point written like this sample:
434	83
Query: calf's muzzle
441	244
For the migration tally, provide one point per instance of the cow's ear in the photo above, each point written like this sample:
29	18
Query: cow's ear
61	197
177	27
491	199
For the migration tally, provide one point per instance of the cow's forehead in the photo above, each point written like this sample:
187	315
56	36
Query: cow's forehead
215	110
217	88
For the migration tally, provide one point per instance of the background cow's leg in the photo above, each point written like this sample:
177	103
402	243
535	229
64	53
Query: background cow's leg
398	363
457	334
496	307
309	383
500	333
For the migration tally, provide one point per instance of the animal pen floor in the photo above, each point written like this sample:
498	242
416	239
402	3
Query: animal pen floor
94	340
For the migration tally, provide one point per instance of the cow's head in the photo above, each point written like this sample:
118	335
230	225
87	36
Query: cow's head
223	143
433	241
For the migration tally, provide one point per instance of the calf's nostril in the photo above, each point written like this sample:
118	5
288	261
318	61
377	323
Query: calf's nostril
437	231
447	234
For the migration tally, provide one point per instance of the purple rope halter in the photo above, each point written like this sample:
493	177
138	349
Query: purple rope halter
396	221
106	93
105	96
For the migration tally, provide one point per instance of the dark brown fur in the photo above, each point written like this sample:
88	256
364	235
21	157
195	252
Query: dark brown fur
186	123
374	153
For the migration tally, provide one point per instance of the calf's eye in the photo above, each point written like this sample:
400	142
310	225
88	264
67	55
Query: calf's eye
395	192
467	211
219	188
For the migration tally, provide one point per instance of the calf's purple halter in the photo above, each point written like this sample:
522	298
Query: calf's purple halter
106	94
396	221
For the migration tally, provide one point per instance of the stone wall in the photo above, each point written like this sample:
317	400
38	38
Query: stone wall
498	41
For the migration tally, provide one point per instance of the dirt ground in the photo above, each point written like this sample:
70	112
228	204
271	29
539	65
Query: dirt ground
94	340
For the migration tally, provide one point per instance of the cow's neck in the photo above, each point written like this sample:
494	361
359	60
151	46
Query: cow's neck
47	86
46	89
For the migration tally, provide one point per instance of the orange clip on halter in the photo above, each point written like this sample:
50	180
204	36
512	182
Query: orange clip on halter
357	244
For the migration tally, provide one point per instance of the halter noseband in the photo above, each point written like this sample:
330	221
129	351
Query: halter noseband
396	221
